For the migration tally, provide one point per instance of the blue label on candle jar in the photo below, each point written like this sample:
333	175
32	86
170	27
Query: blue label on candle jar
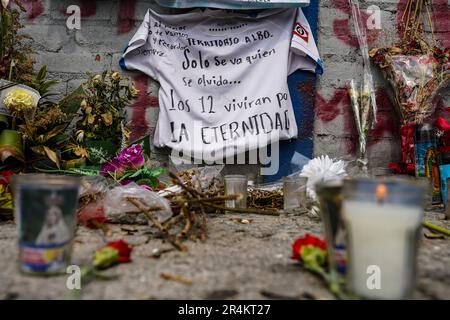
44	259
340	257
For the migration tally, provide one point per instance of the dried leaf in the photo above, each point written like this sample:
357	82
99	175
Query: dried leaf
52	155
176	278
5	3
54	132
107	118
8	152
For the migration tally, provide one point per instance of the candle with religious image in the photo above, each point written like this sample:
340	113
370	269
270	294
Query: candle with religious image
382	220
45	209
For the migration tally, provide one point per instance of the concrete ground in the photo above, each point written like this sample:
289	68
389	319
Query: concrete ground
238	261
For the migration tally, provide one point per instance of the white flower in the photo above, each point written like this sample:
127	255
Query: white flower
5	3
322	169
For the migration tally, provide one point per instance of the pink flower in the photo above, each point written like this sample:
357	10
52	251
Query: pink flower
132	157
146	187
129	158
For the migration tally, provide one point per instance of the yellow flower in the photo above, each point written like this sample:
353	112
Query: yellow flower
19	100
90	119
97	79
115	76
134	92
107	118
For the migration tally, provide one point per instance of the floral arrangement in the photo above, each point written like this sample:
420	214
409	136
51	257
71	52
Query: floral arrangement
101	126
83	133
129	165
417	70
415	67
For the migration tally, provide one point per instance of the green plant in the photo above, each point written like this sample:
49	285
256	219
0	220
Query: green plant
43	86
44	131
15	54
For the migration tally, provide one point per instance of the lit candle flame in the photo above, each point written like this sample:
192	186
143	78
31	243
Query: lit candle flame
381	192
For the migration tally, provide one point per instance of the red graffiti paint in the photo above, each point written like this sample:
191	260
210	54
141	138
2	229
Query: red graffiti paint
344	31
440	17
139	124
329	110
388	120
127	11
34	8
88	8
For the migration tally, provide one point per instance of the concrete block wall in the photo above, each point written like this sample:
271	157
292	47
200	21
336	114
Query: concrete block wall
107	26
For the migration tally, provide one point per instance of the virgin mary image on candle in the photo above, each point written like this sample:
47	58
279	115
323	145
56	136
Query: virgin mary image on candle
54	229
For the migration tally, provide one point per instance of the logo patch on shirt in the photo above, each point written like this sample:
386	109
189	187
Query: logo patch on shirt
300	31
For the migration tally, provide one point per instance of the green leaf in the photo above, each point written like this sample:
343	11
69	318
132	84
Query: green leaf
145	143
153	183
71	103
108	147
4	123
42	73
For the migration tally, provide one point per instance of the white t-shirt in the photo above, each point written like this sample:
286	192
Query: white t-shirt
233	4
223	77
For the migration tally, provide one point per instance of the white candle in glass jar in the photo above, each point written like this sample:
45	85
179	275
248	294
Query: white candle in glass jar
382	237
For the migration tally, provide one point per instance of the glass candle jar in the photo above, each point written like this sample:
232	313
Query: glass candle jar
330	198
294	191
382	220
45	209
236	184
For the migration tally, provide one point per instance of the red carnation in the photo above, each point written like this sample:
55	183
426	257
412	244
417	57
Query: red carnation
123	248
308	240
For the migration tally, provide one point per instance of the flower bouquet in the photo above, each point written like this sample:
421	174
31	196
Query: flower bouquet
416	74
101	129
417	70
129	165
362	97
364	116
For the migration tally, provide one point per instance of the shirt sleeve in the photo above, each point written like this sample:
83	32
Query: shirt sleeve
140	54
303	54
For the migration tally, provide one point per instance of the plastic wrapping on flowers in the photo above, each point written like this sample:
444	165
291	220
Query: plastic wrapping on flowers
415	79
